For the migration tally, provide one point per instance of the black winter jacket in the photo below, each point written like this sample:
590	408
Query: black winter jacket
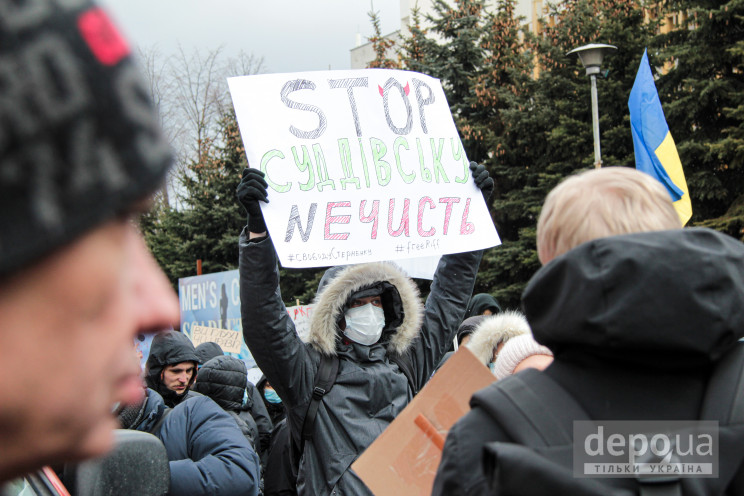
224	378
636	323
370	389
208	454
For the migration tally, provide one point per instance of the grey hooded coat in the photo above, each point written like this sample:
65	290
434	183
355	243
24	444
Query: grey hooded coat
370	390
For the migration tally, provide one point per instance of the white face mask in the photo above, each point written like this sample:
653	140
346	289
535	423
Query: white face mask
364	324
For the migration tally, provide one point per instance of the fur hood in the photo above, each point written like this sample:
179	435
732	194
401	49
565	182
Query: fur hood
494	330
401	302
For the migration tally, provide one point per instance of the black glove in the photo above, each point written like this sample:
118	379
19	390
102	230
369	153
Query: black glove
482	179
251	190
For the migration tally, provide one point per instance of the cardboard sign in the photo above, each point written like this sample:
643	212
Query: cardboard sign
228	340
362	166
404	459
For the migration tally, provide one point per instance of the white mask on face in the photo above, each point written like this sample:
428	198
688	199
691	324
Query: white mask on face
364	324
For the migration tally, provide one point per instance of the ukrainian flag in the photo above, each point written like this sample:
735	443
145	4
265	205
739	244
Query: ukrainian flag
655	152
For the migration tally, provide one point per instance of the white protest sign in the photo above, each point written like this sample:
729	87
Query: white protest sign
362	166
227	339
301	316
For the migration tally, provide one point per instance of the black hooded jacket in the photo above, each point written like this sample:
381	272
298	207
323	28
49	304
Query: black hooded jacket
636	323
224	378
207	351
169	348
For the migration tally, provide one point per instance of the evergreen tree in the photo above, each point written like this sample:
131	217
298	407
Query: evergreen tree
701	92
381	45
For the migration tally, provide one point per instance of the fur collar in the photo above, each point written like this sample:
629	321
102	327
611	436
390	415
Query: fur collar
330	301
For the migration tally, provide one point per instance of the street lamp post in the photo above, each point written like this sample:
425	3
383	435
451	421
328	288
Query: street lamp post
591	57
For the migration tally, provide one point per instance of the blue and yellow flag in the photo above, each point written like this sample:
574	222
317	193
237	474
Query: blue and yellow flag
655	152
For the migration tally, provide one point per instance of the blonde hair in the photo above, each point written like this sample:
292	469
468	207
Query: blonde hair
599	203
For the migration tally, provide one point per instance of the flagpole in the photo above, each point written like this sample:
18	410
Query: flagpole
591	57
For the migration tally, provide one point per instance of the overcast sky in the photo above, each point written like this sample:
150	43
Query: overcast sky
291	35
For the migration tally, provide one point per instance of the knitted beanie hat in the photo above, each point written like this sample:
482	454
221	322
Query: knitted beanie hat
79	138
514	351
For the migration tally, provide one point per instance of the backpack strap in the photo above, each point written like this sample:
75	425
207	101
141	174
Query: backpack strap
405	366
324	380
533	409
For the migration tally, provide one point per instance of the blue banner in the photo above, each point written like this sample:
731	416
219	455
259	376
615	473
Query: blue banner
213	300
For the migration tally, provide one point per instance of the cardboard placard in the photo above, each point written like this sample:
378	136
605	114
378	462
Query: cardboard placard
404	459
228	340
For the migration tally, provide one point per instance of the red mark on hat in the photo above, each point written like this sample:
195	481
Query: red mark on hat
102	37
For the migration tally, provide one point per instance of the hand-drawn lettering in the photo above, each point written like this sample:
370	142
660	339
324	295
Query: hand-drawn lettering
401	142
304	164
466	227
424	201
436	153
322	169
336	219
279	188
459	154
417	85
425	172
350	84
382	168
404	224
344	153
374	216
294	220
448	211
364	163
392	83
297	85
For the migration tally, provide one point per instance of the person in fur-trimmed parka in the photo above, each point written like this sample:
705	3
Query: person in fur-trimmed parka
493	332
369	316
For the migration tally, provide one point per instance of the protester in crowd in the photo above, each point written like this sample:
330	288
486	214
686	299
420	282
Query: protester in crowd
521	352
252	411
208	454
79	155
603	342
491	334
599	203
223	378
482	304
370	318
463	335
206	351
171	367
271	400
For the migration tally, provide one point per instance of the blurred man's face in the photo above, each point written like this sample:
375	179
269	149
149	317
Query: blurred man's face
66	345
177	377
